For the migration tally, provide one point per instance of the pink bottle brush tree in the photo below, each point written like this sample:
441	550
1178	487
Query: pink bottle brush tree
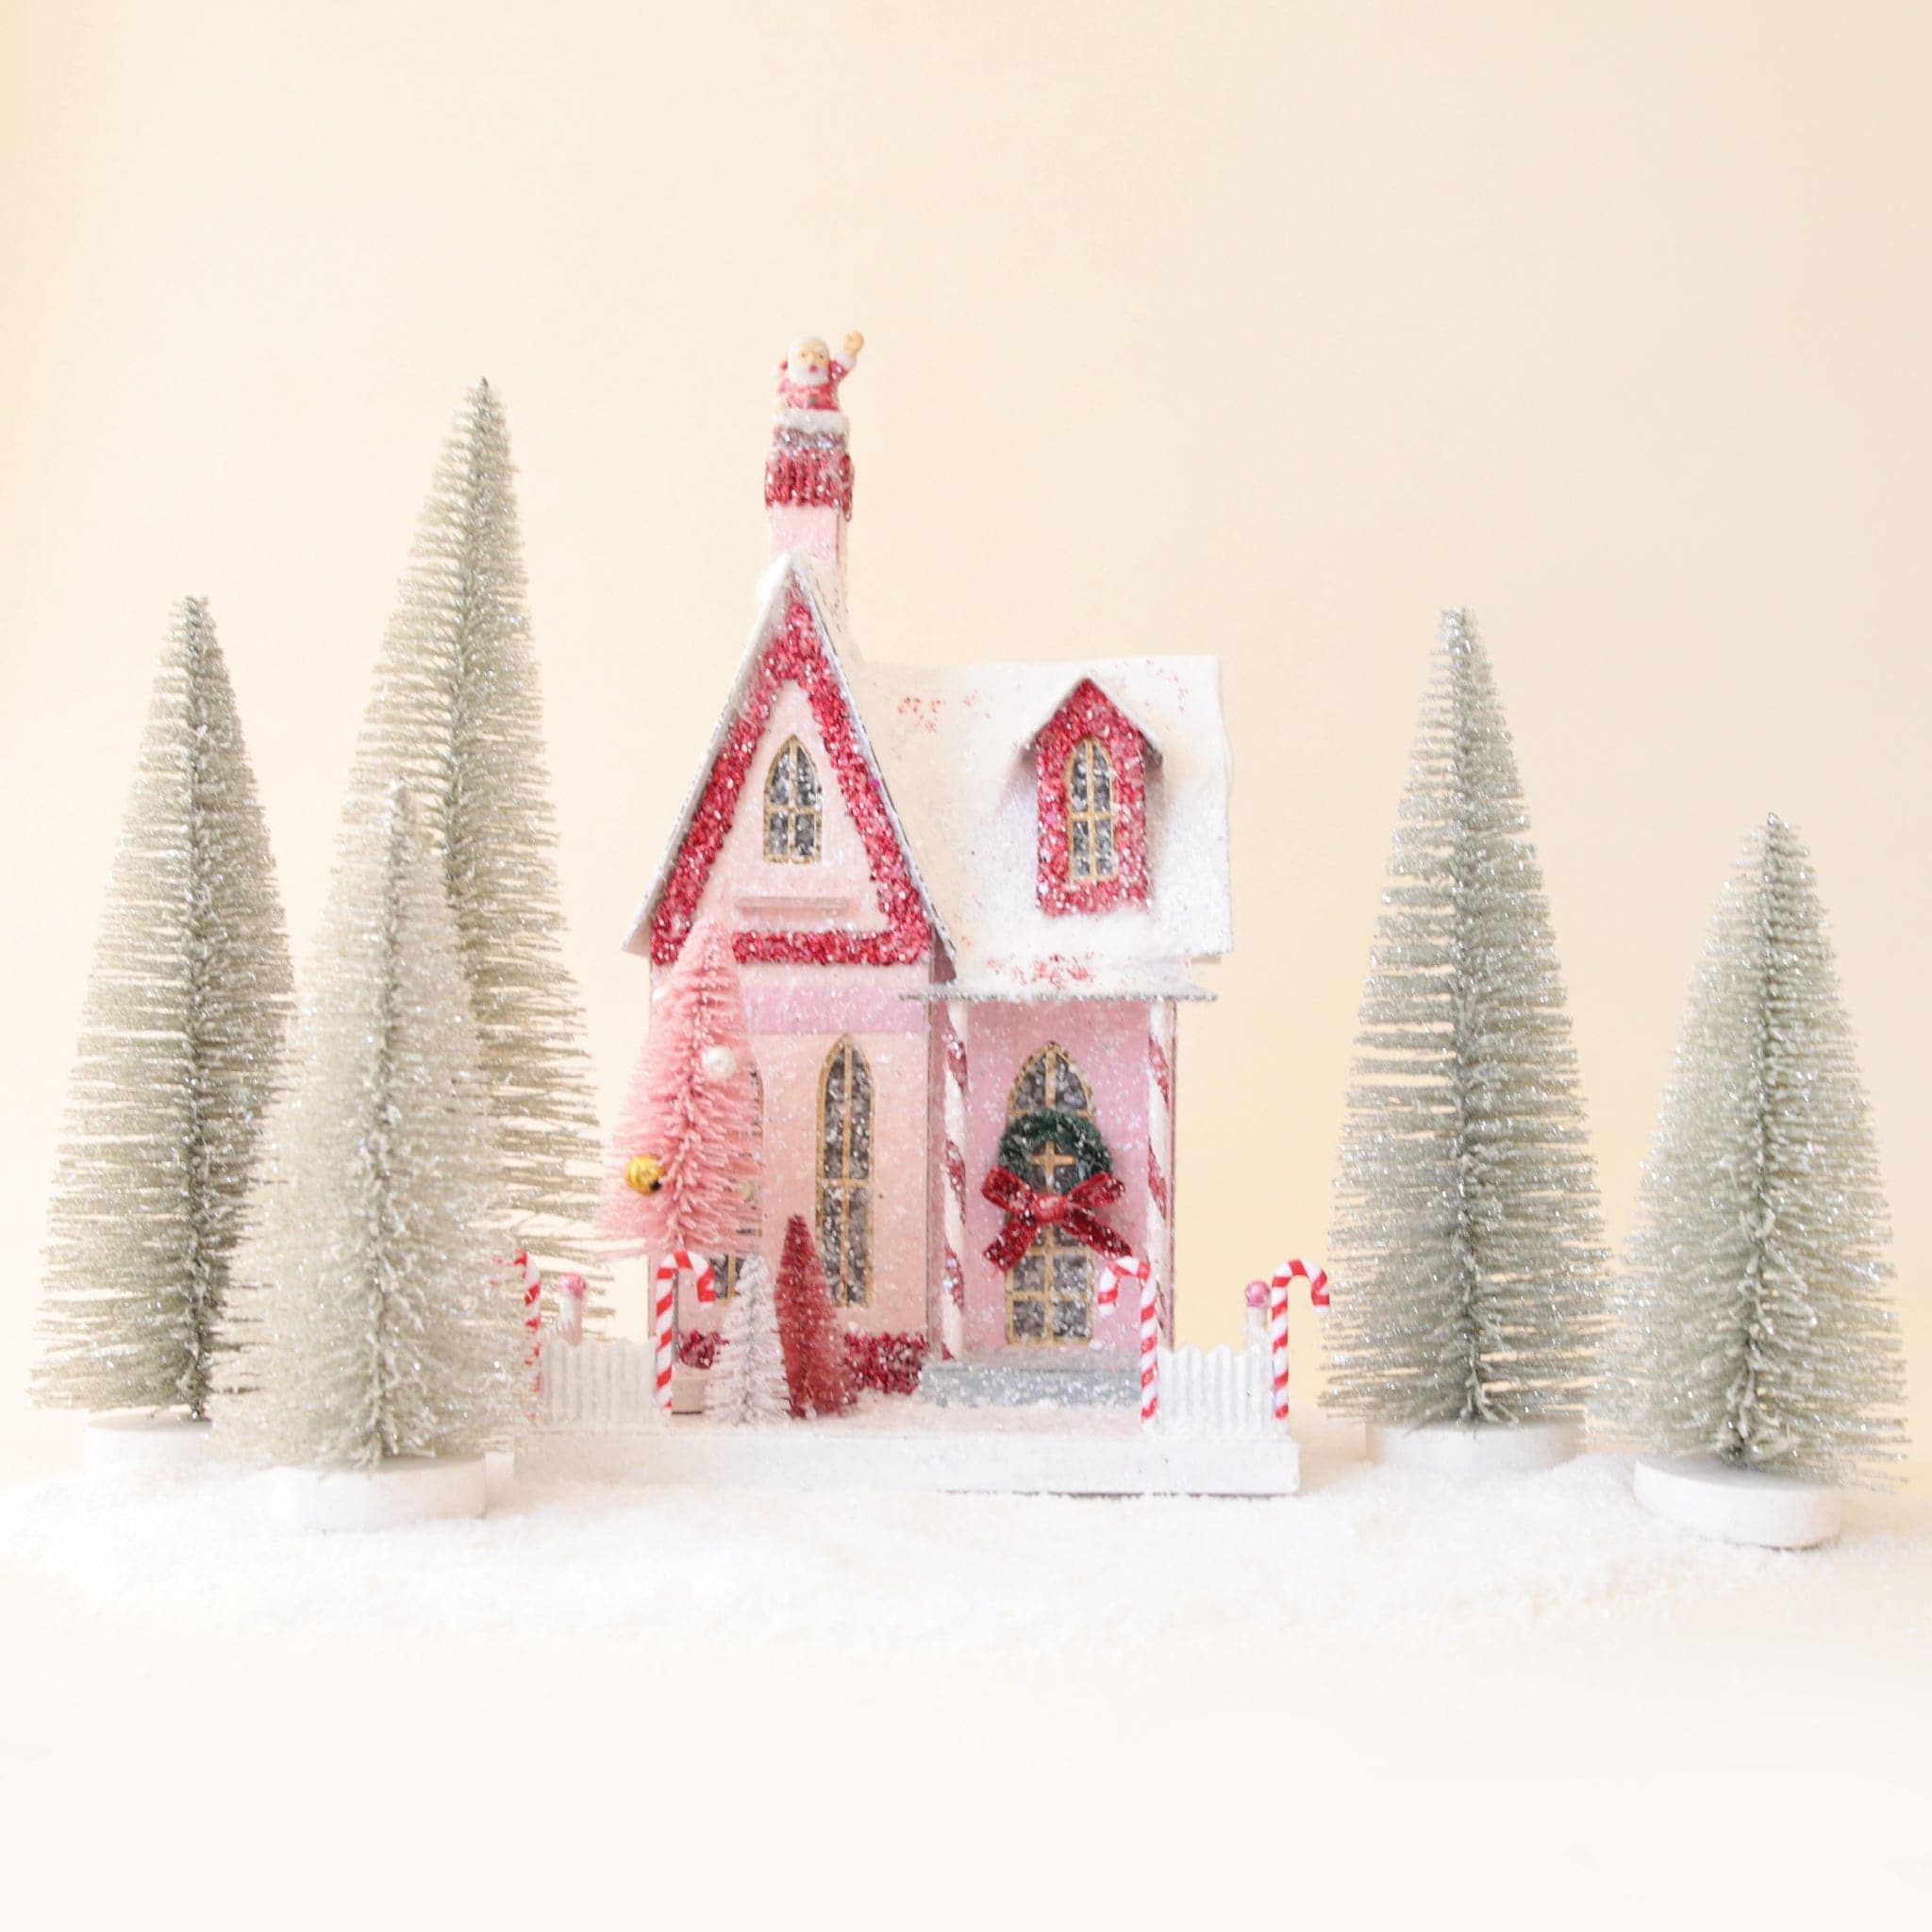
686	1162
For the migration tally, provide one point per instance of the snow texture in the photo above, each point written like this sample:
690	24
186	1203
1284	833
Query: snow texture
1336	1705
952	748
1387	1557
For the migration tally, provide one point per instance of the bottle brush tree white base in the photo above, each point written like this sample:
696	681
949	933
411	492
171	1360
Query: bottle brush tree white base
134	1438
404	1489
1481	1450
1737	1505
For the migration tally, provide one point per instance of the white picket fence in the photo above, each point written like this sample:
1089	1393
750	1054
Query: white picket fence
607	1384
600	1384
1219	1391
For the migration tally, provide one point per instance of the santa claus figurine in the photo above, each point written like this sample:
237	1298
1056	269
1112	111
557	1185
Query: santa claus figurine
808	377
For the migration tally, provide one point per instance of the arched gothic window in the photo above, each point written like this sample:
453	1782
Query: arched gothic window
845	1164
1050	1289
792	817
1093	840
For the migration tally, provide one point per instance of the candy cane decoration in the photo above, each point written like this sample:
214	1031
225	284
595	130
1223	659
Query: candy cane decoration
1161	1156
1317	1279
679	1261
953	1284
1277	1347
571	1291
533	1319
1106	1290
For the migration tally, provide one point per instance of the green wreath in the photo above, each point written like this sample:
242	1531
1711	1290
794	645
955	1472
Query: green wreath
1072	1133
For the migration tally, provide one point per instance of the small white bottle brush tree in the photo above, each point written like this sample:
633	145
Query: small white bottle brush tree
181	1041
379	1321
747	1381
1755	1326
1466	1263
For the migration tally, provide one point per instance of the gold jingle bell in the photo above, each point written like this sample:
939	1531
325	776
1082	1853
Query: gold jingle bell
645	1173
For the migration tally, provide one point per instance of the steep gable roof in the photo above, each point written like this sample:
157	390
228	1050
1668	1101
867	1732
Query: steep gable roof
799	633
1084	680
944	789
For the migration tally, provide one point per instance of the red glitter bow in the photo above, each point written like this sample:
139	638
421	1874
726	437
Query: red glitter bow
1027	1211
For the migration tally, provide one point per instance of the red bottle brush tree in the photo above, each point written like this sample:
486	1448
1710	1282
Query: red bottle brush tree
686	1162
808	1329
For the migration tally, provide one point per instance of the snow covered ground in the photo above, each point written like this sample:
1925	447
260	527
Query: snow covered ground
1385	1697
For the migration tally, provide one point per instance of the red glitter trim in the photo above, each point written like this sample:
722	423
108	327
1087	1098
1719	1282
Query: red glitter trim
1157	1064
808	473
1090	713
1157	1184
798	655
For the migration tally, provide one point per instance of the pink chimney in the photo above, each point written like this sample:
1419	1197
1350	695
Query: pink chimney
809	486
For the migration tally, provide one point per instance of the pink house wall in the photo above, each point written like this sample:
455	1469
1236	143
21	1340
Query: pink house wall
1108	1043
751	894
797	1015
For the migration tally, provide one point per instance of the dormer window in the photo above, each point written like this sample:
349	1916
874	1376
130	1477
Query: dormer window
1091	764
792	821
1092	848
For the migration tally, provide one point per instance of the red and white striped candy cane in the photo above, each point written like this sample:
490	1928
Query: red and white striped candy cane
532	1317
679	1261
1317	1279
1277	1323
571	1291
1106	1290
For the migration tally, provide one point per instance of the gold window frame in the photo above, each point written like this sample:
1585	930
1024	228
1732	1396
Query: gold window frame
846	1291
1053	1246
1091	817
791	764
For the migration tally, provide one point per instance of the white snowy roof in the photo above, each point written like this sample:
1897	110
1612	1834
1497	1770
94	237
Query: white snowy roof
953	747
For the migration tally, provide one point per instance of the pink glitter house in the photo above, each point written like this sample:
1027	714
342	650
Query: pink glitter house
966	905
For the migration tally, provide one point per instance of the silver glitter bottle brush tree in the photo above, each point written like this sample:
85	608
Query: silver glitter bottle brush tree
181	1037
1466	1260
378	1320
456	715
1753	1323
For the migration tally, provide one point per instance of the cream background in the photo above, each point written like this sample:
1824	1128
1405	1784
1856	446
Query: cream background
1265	331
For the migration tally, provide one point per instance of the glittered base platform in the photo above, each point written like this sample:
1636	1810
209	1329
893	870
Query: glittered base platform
904	1446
